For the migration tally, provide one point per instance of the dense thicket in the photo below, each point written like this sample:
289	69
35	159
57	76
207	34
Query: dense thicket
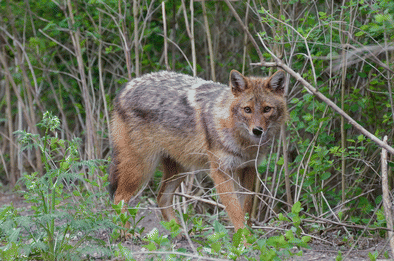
71	56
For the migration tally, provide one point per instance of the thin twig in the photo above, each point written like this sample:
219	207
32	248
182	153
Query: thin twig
324	220
208	32
335	216
200	199
163	6
190	33
184	55
387	202
185	228
136	42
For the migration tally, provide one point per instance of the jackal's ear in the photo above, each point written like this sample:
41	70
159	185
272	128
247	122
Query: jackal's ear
276	82
237	82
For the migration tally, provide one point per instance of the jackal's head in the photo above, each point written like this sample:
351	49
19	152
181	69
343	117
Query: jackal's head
259	107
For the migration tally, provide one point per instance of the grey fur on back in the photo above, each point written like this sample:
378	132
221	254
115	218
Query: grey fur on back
165	98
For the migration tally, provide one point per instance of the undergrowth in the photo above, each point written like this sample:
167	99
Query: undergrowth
70	217
63	221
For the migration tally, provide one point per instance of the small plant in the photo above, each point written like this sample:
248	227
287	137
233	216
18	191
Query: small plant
173	227
215	241
373	256
126	217
9	232
124	252
251	244
276	247
339	256
63	222
155	241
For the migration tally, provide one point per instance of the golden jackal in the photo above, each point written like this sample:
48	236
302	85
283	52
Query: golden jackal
187	123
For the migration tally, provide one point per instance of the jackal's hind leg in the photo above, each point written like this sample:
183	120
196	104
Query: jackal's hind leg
132	173
170	182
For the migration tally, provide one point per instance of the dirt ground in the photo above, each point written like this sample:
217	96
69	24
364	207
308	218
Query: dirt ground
319	250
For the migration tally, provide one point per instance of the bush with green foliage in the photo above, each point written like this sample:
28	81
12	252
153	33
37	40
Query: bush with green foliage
63	221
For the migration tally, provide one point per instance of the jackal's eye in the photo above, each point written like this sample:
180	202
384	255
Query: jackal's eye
248	110
266	109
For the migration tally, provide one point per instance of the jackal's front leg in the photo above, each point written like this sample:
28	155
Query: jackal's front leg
224	184
247	179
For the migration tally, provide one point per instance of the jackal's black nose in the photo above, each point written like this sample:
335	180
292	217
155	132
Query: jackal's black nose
257	131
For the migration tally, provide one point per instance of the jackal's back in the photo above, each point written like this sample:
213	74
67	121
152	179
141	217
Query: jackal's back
165	100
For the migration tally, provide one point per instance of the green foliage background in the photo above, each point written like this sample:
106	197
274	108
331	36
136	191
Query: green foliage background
71	57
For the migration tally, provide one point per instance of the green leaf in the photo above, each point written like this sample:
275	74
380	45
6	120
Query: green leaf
281	161
124	218
340	215
14	235
339	256
380	18
373	256
307	117
172	226
219	228
289	235
133	211
296	208
118	207
216	246
237	238
325	175
151	246
296	220
306	239
283	218
64	166
153	234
